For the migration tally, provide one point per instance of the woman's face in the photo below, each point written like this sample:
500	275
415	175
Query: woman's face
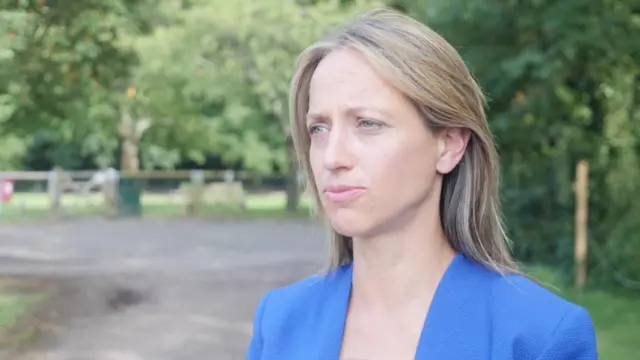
375	164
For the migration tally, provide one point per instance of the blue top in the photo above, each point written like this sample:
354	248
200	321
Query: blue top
475	314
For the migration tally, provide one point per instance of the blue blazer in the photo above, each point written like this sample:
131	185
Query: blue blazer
475	314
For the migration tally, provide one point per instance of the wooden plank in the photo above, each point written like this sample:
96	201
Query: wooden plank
182	175
150	175
25	175
43	175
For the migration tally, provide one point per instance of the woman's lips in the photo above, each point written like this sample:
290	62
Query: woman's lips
342	194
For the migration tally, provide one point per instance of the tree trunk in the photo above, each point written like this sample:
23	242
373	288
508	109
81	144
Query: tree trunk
130	161
292	186
131	132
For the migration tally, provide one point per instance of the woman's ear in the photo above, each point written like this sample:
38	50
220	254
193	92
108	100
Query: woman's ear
453	143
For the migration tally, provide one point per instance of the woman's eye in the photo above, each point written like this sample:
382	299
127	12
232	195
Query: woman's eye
315	129
369	123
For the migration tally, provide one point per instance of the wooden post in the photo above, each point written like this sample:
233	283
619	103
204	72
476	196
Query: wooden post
582	198
234	191
110	191
229	176
195	191
54	185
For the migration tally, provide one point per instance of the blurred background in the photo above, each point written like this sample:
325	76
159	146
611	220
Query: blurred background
148	195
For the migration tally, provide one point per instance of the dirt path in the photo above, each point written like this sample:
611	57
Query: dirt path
156	290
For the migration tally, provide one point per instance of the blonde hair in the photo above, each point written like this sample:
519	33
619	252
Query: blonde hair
430	73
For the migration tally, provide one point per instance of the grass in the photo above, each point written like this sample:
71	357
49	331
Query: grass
35	206
615	316
12	308
15	306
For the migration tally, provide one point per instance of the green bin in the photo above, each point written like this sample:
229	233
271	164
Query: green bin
129	191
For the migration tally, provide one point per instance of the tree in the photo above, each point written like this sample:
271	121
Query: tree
562	80
64	66
227	70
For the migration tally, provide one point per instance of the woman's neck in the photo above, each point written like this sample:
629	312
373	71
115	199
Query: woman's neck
394	269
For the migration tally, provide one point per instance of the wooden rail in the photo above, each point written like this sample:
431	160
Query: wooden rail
151	175
60	182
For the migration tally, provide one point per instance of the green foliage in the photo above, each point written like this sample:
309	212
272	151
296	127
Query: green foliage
562	81
62	65
12	148
228	66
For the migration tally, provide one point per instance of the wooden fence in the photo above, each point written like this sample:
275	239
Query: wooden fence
199	186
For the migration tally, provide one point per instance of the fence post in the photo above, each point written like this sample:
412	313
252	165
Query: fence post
196	188
110	190
54	185
229	176
582	208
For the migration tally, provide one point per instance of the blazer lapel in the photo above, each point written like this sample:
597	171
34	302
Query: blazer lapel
334	311
453	313
452	310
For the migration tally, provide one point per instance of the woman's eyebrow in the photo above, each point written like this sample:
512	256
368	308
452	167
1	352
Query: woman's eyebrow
310	117
360	109
351	111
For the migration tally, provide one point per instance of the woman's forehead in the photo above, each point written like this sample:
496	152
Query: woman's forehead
346	75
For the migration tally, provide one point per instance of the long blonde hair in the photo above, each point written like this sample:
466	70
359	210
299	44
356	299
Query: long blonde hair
427	70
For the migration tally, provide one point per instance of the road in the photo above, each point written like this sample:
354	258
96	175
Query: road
156	289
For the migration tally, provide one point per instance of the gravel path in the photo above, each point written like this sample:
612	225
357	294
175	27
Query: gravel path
156	289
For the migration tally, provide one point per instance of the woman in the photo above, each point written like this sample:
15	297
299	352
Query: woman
389	125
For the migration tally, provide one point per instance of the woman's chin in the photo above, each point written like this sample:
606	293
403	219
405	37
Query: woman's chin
349	223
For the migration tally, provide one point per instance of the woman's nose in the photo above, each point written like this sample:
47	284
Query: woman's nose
337	153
